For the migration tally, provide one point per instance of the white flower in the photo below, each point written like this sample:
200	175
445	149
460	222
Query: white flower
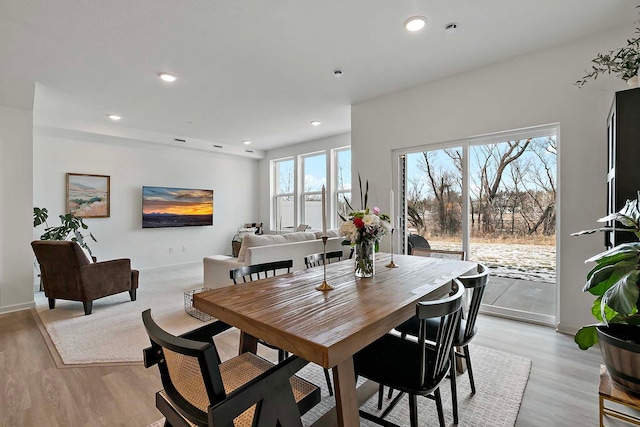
371	220
349	231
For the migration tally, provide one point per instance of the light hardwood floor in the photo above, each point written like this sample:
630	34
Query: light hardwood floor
562	388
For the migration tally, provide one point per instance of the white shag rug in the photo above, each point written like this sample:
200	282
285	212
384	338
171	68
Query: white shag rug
114	332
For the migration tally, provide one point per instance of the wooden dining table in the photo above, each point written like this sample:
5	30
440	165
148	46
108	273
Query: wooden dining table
329	327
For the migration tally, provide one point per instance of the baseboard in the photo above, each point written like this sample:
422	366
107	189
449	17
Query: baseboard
567	329
17	307
162	267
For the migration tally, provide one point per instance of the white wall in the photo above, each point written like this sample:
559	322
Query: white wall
264	192
531	90
132	164
16	259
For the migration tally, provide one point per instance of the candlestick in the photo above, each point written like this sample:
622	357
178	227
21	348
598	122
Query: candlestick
324	286
391	208
391	264
324	214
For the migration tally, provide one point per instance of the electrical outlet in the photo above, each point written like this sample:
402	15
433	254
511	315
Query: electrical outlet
184	249
170	249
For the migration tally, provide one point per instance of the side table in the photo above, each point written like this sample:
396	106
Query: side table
620	403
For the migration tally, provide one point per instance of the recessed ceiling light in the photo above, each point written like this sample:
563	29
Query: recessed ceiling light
167	77
246	142
114	117
316	123
450	28
337	73
415	23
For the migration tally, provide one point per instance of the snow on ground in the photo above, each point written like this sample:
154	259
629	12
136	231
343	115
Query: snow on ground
516	261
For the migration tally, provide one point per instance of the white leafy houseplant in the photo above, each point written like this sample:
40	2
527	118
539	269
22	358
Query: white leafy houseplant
614	279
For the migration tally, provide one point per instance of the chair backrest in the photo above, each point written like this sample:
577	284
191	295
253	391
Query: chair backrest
315	260
302	227
244	390
60	262
250	273
417	241
438	253
476	283
449	311
256	225
188	370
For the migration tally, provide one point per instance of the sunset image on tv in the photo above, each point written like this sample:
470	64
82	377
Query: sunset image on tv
176	207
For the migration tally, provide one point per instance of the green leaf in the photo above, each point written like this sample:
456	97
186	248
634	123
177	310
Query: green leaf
601	278
602	312
623	295
586	337
616	254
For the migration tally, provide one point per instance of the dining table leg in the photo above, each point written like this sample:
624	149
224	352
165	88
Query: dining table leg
344	380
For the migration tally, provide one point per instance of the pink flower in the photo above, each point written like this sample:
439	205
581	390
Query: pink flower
376	210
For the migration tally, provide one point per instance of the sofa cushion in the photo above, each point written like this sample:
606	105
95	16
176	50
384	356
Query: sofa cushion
251	240
330	233
299	236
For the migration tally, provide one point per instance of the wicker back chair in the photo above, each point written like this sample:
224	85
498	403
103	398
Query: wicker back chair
243	391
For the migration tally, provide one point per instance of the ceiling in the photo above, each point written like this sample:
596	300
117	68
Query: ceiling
261	70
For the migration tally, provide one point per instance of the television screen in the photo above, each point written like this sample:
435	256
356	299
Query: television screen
176	207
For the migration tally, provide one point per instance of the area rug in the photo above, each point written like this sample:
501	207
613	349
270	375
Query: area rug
500	380
113	332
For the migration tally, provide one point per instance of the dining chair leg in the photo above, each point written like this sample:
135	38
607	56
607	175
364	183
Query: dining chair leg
413	410
436	394
454	386
380	394
328	379
282	355
467	356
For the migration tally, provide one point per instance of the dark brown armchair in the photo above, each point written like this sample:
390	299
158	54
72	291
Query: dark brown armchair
68	274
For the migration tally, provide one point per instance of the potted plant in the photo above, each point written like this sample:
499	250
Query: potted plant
614	281
623	62
69	229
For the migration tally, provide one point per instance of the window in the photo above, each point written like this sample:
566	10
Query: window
284	213
314	169
297	188
342	183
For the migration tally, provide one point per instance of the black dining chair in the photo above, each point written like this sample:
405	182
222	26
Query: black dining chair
413	366
317	260
474	282
249	273
200	390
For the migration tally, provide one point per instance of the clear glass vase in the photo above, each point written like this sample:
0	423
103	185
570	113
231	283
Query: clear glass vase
364	256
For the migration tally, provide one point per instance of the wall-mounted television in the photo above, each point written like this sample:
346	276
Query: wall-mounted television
176	207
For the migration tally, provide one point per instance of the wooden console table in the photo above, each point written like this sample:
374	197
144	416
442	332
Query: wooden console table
630	402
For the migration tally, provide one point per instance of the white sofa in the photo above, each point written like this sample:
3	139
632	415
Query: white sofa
258	249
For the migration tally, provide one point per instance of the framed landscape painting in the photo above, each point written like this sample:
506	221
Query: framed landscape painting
88	195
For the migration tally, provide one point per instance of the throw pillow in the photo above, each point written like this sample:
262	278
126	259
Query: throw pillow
299	236
251	240
88	255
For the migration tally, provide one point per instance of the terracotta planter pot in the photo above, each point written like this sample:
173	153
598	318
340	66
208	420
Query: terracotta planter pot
620	346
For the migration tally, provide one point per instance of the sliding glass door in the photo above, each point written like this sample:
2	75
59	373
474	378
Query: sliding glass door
495	198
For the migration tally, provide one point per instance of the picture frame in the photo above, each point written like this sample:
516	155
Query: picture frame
88	196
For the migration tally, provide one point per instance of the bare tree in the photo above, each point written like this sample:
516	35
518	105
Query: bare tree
446	194
493	159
